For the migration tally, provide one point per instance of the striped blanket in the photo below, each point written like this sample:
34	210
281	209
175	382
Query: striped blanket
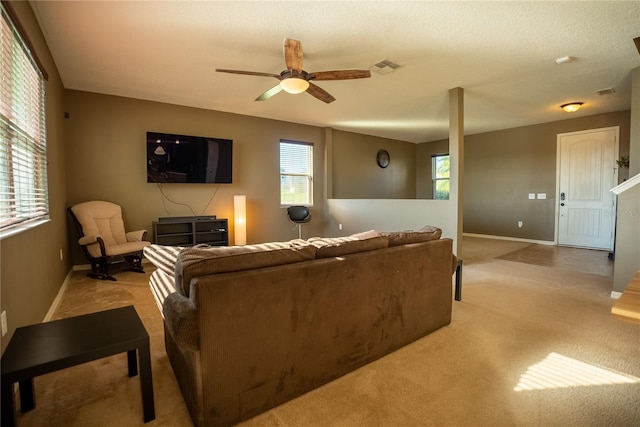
162	280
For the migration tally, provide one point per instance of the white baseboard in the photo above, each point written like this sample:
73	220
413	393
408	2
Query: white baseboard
513	239
58	297
615	295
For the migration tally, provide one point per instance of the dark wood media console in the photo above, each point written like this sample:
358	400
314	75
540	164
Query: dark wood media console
186	231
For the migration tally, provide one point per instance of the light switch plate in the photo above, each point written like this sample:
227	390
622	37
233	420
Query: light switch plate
542	196
532	196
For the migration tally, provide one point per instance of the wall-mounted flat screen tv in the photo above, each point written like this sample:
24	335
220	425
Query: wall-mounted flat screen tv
188	159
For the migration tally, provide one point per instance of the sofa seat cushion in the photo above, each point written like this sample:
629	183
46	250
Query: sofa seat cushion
425	234
327	247
203	259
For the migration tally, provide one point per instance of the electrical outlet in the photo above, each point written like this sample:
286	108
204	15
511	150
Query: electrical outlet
519	224
4	322
339	226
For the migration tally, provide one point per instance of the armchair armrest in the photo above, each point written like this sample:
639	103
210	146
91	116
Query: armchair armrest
88	240
136	236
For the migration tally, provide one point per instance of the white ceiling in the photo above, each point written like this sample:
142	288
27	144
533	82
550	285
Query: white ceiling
501	53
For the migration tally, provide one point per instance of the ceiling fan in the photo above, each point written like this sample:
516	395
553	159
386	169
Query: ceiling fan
295	80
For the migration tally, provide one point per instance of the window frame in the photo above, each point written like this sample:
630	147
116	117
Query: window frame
435	179
297	174
23	147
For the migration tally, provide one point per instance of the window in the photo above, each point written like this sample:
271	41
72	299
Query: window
296	173
440	171
23	167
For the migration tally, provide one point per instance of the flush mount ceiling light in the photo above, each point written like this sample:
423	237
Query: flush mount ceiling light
294	85
564	59
571	107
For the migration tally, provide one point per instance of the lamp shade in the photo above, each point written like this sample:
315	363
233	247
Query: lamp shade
294	85
571	107
240	219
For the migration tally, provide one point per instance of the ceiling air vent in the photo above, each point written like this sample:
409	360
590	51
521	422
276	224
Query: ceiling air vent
607	91
384	67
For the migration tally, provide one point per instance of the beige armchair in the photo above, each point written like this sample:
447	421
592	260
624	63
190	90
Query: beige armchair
104	239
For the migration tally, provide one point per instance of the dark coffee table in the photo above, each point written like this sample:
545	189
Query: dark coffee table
46	347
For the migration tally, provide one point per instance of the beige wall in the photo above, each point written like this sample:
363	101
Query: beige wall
503	167
31	271
106	155
356	174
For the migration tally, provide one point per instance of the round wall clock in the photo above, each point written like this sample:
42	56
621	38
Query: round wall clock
383	158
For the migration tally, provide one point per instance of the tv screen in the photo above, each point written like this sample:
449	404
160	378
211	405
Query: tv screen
188	159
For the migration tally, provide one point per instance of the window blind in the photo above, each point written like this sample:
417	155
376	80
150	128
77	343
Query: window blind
296	173
23	167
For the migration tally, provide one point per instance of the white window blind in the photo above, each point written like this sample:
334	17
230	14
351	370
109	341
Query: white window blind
296	173
23	167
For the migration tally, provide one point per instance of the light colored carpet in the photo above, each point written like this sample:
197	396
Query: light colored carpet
544	331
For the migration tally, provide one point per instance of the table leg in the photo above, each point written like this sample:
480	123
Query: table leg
146	383
8	410
459	281
133	363
27	395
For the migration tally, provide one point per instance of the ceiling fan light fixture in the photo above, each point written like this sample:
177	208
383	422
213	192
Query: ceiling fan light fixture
571	107
294	85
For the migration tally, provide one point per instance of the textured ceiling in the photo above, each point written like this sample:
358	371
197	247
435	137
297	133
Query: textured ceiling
501	53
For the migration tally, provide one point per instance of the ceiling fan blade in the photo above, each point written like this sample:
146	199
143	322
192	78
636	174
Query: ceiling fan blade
268	94
249	73
637	42
340	75
293	54
320	93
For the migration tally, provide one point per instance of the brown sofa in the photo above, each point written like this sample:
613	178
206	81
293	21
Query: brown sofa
248	328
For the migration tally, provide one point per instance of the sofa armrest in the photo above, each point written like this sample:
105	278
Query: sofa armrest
136	236
181	318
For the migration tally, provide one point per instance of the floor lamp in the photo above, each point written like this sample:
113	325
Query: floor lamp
240	219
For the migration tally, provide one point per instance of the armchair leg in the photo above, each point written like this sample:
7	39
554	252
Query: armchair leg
100	266
135	262
100	270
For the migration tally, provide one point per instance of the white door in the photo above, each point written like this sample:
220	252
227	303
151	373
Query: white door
587	171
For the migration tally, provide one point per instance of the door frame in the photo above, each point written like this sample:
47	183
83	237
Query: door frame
616	153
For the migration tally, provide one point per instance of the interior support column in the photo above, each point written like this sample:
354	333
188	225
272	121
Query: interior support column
456	158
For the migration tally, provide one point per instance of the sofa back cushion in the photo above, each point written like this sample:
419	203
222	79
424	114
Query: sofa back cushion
203	259
337	246
425	234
